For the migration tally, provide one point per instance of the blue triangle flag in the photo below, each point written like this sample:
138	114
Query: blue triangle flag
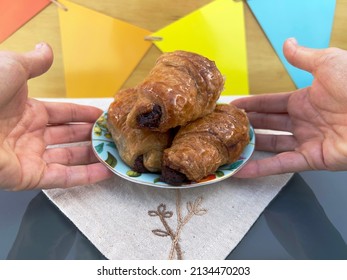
309	21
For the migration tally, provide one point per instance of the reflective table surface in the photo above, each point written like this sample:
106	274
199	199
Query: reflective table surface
306	220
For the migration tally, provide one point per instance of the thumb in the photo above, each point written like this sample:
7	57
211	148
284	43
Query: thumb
301	57
38	61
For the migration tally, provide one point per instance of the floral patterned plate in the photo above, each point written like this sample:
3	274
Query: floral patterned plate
105	149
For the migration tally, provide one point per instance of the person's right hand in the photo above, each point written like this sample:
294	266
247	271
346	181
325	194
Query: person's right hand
29	127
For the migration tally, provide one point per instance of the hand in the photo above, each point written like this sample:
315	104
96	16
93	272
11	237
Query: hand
315	116
29	126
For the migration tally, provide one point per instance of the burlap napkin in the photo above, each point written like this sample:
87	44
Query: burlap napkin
125	220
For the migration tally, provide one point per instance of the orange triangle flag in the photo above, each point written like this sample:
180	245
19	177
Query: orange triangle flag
99	52
15	13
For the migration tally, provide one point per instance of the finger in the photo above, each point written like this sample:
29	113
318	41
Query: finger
61	176
279	122
266	103
38	61
69	133
275	143
286	162
70	155
17	68
69	112
301	57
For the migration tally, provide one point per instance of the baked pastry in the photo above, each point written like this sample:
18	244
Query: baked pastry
181	87
202	146
140	149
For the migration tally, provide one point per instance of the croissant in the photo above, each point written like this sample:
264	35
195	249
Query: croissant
140	149
181	87
202	146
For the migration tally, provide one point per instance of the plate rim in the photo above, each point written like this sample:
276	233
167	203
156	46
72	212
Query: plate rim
163	184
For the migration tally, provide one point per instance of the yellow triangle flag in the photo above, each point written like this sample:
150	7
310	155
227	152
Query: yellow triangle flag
99	52
216	31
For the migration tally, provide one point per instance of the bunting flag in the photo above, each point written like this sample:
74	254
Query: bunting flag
216	31
99	52
309	21
15	13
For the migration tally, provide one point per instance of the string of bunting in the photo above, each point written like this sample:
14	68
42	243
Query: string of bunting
114	53
101	52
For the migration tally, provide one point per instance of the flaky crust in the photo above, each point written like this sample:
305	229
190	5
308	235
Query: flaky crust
133	143
184	85
202	146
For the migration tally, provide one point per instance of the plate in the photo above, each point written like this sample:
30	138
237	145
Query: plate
105	149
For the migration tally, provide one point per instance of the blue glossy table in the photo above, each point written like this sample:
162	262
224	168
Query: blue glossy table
307	220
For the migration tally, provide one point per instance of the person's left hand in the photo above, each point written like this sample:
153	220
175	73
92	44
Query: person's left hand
29	127
314	117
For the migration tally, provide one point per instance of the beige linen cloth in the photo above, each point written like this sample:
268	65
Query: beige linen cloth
125	220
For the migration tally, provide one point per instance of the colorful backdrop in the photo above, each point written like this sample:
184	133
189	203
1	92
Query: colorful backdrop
101	47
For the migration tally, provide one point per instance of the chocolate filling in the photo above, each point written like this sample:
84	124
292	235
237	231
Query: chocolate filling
150	119
173	177
139	166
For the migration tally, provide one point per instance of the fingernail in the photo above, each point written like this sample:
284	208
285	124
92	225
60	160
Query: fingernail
39	46
292	41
